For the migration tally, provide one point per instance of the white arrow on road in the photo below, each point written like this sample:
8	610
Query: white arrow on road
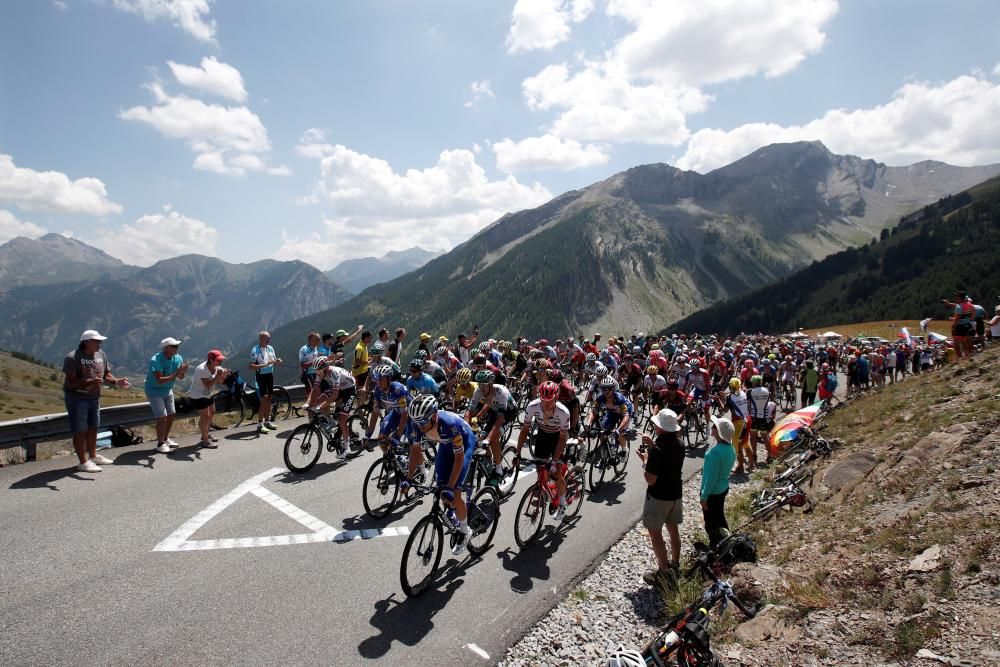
320	531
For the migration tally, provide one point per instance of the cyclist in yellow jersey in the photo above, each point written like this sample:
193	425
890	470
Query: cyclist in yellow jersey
465	387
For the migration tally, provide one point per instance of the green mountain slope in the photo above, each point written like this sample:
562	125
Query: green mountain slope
952	244
649	246
55	258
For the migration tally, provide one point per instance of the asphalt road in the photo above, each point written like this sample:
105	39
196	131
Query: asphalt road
258	566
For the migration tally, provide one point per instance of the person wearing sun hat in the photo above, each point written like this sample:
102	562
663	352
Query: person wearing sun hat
663	462
87	370
165	368
715	479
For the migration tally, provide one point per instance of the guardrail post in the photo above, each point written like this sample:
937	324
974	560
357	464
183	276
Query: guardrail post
30	451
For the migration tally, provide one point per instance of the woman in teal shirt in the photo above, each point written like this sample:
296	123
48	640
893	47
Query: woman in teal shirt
715	479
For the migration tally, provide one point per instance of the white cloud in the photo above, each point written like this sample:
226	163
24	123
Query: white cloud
480	90
191	16
542	24
227	140
647	84
375	207
546	152
60	5
11	227
951	121
52	191
996	70
314	143
214	77
158	236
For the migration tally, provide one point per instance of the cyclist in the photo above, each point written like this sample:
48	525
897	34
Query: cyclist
654	385
553	421
377	350
491	406
674	398
769	371
334	386
618	414
392	397
465	388
480	363
631	374
593	387
456	443
420	382
567	396
760	424
696	383
786	375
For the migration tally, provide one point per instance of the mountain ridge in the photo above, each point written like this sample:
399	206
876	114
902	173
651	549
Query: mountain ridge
359	273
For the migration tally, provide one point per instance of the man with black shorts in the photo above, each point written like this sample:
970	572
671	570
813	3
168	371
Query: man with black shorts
262	362
663	463
334	386
552	418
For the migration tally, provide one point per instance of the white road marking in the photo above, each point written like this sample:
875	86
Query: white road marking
321	531
478	651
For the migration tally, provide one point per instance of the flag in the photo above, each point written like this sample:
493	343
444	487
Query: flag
924	324
904	333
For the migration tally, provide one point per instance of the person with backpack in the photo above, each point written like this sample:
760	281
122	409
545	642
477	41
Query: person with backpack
86	370
809	377
827	383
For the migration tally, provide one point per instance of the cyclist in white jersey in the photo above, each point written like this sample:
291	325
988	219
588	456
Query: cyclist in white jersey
492	406
552	419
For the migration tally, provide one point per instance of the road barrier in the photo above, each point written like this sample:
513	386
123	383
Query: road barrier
28	431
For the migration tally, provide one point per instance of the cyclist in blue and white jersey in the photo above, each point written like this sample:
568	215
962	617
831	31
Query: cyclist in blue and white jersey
593	386
391	397
456	443
618	414
420	382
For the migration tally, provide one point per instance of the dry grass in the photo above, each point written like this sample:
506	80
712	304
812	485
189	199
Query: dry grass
886	329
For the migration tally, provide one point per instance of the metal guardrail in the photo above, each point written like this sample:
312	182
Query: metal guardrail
44	428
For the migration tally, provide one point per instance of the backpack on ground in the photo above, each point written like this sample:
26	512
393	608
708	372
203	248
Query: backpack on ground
737	548
122	436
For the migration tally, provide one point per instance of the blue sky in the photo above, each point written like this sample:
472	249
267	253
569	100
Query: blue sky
324	130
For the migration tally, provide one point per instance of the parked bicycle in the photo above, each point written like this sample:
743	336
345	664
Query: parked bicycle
304	445
240	401
772	500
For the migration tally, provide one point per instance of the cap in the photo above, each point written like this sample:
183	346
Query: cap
169	341
461	336
91	334
215	355
425	336
442	339
341	332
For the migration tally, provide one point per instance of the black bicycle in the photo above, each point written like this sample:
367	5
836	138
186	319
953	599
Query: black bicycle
422	553
605	455
241	401
381	488
693	428
304	445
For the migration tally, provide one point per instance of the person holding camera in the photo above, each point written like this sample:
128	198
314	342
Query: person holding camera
663	462
207	375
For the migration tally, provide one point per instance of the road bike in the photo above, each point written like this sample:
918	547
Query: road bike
482	469
786	398
304	445
772	500
606	454
542	497
422	553
240	401
808	440
381	487
693	428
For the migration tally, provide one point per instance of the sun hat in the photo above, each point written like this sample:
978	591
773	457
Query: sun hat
666	420
91	334
725	427
169	341
425	336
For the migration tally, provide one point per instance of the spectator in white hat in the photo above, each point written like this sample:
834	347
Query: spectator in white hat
663	462
165	368
87	370
715	479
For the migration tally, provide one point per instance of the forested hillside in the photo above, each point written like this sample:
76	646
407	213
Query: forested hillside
952	244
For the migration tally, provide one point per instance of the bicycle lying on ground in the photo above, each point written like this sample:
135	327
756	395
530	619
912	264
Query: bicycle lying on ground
772	500
304	445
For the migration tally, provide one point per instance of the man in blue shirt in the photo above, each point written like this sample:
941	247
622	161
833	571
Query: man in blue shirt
262	361
165	368
420	382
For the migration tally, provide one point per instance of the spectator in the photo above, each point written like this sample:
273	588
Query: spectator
396	346
738	405
165	368
307	353
86	369
383	337
424	337
809	378
995	325
980	319
961	324
343	338
262	362
206	375
360	366
663	460
715	479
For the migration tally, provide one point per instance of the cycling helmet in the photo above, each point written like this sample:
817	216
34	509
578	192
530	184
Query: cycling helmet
555	375
423	408
756	380
376	348
382	371
695	363
607	382
681	359
420	354
734	384
591	357
484	348
485	377
548	391
319	363
416	364
748	363
464	375
772	356
504	345
543	342
825	367
652	370
479	359
601	371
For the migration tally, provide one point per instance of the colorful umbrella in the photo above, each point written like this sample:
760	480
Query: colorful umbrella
787	429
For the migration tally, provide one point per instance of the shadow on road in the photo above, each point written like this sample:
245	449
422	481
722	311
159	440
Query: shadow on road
408	620
695	452
532	564
249	434
145	457
47	479
610	492
315	472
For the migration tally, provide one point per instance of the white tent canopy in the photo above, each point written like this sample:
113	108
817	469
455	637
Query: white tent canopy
797	335
831	334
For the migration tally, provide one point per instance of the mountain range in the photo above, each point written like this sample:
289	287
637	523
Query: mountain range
949	245
355	275
651	245
204	301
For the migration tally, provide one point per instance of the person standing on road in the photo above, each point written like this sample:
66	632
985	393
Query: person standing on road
663	462
715	479
262	362
165	368
86	370
206	375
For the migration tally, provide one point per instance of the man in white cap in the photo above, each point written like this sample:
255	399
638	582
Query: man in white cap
663	461
87	369
165	368
715	473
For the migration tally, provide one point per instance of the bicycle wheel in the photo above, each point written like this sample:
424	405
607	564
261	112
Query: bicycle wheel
421	556
508	428
302	448
574	492
598	466
484	514
511	470
690	431
223	401
619	459
530	516
281	404
380	489
356	425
